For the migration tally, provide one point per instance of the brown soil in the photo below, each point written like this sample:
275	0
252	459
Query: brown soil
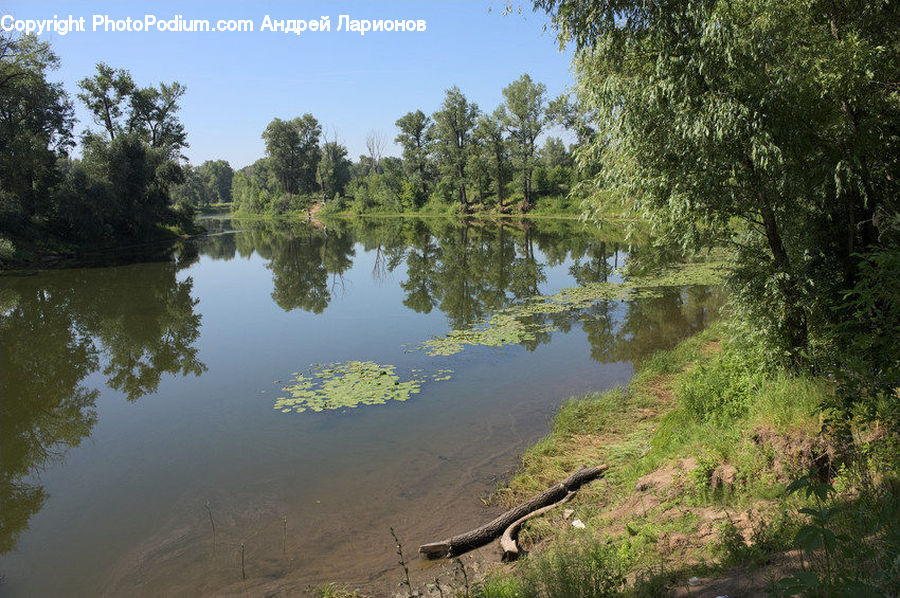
739	581
313	211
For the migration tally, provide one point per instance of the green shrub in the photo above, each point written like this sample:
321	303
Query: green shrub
7	249
724	388
585	569
498	586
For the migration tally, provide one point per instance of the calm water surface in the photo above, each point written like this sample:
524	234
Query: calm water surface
140	446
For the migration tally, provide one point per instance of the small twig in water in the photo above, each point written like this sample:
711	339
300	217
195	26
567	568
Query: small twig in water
243	573
284	535
402	562
462	568
213	524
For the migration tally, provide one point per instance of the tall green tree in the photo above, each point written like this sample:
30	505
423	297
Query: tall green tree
122	184
106	95
36	120
217	176
292	148
453	125
494	146
334	170
524	120
154	116
205	184
414	136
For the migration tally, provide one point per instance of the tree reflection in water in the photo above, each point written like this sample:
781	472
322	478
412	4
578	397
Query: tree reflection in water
135	323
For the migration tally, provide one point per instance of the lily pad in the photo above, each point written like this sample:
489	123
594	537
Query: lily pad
349	384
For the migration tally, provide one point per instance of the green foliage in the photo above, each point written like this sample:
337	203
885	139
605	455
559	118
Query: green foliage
768	537
584	569
332	590
493	150
849	550
453	125
253	189
104	95
498	586
457	160
701	475
865	342
209	183
524	118
333	170
293	153
722	388
848	538
122	186
377	192
7	249
769	126
414	134
36	119
153	117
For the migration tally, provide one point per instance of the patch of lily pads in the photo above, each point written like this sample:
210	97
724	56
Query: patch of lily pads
517	324
503	328
353	383
350	384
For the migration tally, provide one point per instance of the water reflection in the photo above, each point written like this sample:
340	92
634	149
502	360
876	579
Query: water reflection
469	270
132	323
466	270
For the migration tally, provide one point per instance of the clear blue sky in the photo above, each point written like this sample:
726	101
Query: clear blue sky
238	82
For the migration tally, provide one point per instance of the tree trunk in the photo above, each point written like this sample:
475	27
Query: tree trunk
486	533
794	318
500	186
508	539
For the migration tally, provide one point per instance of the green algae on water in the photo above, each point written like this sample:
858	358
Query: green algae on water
350	384
503	328
520	323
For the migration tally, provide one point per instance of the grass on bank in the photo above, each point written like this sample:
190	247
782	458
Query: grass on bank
561	206
703	445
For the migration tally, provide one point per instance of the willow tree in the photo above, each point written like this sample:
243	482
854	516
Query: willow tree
782	117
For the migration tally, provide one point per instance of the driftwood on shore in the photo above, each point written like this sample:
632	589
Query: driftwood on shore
486	533
508	540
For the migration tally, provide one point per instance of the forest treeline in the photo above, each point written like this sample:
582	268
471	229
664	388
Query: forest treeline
458	159
119	190
132	182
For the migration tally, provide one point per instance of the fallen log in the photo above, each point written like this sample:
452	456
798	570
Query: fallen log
486	533
508	539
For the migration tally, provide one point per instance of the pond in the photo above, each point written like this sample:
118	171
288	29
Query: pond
270	390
